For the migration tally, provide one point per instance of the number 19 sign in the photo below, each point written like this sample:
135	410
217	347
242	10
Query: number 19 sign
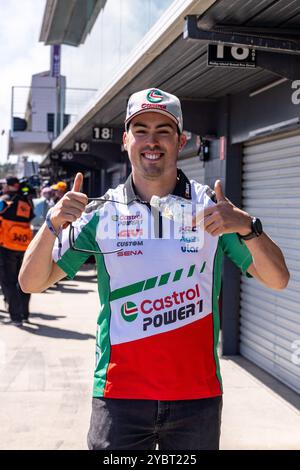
81	147
102	133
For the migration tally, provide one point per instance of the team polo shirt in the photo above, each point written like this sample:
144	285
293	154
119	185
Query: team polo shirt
158	324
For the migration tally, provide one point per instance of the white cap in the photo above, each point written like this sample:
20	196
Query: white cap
157	101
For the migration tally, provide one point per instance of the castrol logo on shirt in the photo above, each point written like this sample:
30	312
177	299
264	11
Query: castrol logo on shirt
129	311
173	308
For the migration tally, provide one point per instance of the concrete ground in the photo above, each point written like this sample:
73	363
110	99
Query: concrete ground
46	371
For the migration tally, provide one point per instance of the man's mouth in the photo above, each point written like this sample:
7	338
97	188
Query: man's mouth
152	155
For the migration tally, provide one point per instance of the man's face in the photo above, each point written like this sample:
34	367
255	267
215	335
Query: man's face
59	193
10	188
153	143
48	195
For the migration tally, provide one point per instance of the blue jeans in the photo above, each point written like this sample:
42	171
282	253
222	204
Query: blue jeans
120	424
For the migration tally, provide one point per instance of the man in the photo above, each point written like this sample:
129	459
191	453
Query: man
15	235
59	190
41	207
157	378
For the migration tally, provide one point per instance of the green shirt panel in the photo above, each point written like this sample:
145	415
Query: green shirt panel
71	261
236	250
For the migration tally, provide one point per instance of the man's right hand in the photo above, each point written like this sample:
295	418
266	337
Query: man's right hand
70	207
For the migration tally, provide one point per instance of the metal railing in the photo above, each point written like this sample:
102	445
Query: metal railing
45	108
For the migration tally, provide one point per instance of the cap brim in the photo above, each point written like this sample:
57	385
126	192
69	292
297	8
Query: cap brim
153	110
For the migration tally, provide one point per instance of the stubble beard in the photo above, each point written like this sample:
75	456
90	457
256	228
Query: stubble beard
152	172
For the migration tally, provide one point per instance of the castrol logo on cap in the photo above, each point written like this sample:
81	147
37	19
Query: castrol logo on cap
155	96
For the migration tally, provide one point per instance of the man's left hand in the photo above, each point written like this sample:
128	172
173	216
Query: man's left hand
224	217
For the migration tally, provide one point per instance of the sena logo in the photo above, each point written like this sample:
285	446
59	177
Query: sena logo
130	253
129	311
155	96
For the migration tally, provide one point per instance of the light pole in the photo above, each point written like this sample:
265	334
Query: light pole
2	146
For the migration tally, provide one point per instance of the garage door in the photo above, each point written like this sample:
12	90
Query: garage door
270	320
193	168
116	175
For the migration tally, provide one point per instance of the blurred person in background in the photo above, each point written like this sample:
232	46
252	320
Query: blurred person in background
41	207
16	212
60	189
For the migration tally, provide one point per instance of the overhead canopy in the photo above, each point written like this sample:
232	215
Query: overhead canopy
69	21
166	60
29	143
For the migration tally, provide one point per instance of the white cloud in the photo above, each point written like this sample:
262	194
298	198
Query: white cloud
21	53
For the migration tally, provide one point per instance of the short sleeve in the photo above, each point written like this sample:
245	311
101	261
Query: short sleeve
237	251
70	260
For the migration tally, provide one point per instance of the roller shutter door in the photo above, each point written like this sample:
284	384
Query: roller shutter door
115	178
116	175
270	320
193	168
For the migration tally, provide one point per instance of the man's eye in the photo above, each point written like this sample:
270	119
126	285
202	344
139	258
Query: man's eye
164	132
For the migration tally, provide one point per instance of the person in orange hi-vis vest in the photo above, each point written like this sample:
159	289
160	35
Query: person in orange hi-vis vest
16	212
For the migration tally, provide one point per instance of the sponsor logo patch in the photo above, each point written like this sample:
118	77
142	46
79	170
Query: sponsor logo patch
189	249
131	243
131	233
130	253
129	311
165	310
127	218
154	96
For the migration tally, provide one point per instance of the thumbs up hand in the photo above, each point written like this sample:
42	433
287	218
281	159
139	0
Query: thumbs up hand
225	217
77	183
219	192
70	207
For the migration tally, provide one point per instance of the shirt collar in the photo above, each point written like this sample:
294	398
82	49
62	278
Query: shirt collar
182	188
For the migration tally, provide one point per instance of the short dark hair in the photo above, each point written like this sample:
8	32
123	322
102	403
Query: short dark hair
11	180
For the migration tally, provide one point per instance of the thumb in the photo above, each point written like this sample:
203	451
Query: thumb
77	182
219	192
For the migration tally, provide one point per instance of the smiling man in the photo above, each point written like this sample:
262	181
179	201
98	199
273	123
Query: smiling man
157	379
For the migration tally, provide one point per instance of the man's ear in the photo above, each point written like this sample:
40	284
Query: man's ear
182	141
125	140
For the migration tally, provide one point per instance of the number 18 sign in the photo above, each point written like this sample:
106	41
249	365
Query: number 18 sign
102	133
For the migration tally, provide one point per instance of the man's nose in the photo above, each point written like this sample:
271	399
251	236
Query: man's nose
152	139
